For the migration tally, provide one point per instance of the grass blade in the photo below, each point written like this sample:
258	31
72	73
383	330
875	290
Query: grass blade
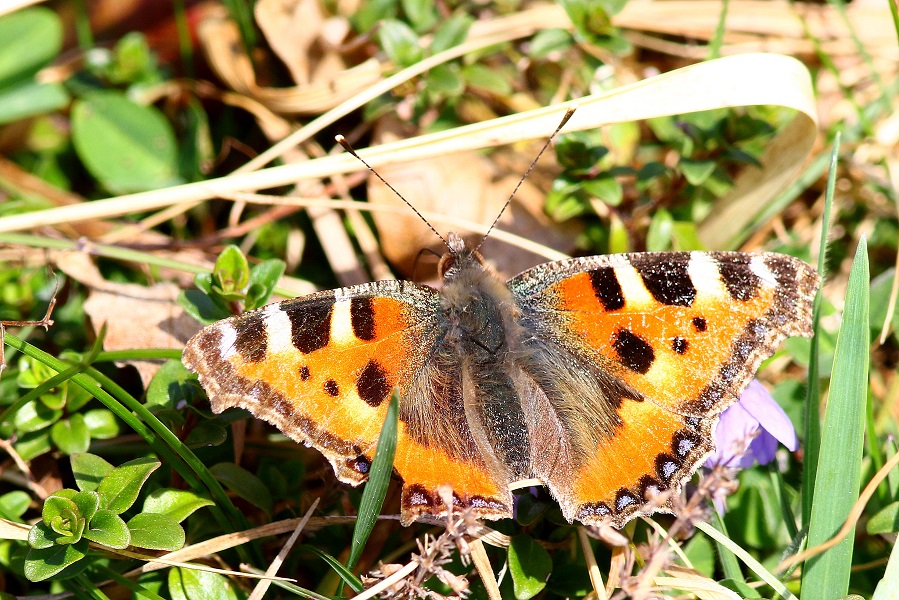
840	460
378	480
813	395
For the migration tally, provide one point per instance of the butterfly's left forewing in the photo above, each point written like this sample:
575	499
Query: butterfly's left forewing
659	344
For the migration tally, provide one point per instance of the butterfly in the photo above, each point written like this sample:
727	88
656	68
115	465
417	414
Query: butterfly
603	377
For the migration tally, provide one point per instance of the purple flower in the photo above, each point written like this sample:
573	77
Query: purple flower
749	431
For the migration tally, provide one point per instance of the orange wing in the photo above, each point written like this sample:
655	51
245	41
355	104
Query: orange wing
321	368
661	344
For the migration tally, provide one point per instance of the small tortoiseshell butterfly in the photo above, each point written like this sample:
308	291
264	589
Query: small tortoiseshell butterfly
603	376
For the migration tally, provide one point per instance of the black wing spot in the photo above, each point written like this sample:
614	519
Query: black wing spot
372	384
310	328
667	279
633	351
680	345
331	388
700	324
362	318
606	288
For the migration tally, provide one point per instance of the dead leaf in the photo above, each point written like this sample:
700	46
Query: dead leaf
136	316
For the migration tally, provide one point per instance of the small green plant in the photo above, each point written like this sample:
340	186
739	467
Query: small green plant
231	287
72	519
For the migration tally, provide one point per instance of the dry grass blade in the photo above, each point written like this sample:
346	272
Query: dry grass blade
592	568
751	79
263	585
485	569
224	542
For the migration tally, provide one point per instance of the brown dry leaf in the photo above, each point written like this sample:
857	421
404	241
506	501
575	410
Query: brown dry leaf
220	40
465	185
291	28
136	316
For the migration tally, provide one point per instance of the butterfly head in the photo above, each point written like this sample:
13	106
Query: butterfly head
459	257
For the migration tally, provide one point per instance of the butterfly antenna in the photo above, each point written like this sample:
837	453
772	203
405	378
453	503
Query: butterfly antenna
346	146
549	141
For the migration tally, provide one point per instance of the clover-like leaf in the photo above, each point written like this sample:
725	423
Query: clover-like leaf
41	536
13	505
71	435
43	563
109	529
156	531
529	565
89	470
190	584
178	504
119	489
101	424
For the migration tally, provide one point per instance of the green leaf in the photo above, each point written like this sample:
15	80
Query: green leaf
29	99
399	42
263	279
378	480
483	77
206	435
445	80
71	435
177	504
244	484
372	13
101	424
43	563
231	274
88	503
119	489
840	459
156	531
34	415
660	233
41	536
188	584
126	146
89	470
31	40
108	529
451	32
14	504
548	41
885	520
421	13
58	504
33	444
201	307
172	386
343	572
697	171
606	189
886	588
529	566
